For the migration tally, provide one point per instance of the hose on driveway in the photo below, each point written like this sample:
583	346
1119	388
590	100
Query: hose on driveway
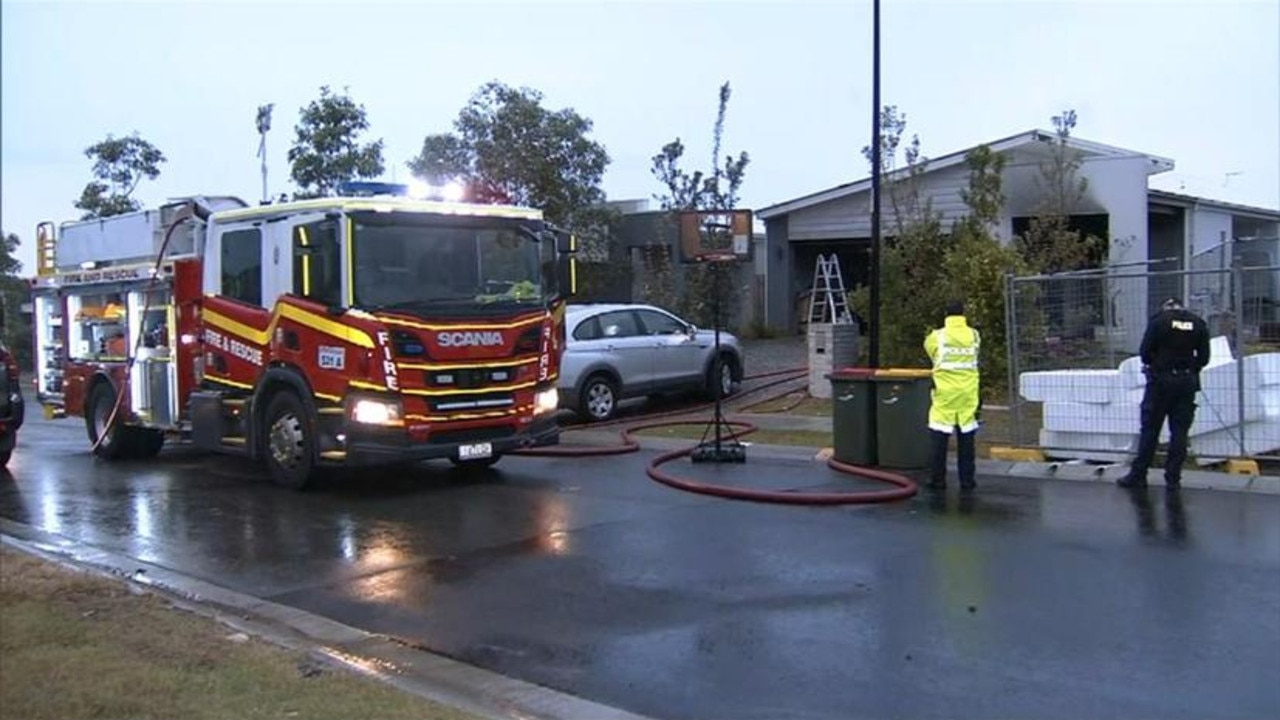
901	486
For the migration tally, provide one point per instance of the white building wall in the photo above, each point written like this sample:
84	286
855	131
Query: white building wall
850	217
1207	228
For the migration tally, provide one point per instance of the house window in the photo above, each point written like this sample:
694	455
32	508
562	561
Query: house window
242	265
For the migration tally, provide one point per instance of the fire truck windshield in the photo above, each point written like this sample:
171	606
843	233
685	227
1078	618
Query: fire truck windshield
403	261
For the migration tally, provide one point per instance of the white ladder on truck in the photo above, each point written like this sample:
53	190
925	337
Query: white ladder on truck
828	302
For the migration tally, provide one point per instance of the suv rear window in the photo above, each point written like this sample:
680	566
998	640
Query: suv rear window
588	329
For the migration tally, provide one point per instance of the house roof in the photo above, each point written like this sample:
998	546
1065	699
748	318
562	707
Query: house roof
1089	149
1181	200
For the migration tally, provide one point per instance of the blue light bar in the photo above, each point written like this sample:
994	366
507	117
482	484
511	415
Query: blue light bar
370	189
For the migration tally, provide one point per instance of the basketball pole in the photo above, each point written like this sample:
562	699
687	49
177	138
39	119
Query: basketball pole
718	450
875	186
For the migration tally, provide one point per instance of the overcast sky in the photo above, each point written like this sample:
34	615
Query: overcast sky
1197	82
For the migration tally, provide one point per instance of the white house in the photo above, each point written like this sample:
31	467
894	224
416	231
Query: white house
1142	224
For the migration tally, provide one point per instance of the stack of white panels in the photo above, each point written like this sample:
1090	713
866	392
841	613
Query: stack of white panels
1096	414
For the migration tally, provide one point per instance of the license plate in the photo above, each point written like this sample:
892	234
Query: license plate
478	450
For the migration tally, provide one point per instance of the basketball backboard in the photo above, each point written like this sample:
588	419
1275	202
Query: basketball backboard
715	235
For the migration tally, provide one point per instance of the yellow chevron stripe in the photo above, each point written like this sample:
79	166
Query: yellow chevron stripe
224	381
302	317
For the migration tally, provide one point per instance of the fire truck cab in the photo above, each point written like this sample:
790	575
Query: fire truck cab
370	328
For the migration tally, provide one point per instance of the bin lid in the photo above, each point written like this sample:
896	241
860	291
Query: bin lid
852	373
903	373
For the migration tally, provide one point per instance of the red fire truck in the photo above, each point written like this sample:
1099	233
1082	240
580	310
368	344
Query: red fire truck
365	329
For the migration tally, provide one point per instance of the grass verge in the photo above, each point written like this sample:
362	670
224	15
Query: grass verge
74	645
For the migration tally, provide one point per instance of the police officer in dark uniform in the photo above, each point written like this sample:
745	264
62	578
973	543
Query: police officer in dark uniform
1175	348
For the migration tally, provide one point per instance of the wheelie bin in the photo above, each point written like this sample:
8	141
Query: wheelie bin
853	415
902	417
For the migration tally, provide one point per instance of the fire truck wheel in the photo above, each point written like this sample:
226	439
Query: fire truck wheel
288	441
599	398
113	445
4	457
145	442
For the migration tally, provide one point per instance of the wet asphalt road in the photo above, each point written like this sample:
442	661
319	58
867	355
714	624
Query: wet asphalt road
1035	600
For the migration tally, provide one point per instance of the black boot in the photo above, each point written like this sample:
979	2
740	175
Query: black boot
1131	482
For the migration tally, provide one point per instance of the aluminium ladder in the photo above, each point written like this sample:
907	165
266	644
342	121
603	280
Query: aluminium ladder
828	302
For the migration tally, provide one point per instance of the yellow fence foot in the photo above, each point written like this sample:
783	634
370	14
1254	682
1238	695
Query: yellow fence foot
1237	466
1012	454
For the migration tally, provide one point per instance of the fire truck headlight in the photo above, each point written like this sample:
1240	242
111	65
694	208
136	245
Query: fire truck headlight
377	412
546	401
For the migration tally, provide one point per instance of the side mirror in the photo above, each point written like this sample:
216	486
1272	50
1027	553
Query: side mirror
567	275
692	330
566	243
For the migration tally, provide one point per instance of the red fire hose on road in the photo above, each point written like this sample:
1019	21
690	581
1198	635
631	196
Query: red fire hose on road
902	488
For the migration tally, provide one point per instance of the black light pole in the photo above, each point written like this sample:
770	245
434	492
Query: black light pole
875	185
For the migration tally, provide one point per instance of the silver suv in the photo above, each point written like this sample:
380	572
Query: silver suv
615	352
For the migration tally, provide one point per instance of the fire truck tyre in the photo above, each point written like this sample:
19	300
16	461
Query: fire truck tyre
4	457
145	443
114	443
599	398
288	441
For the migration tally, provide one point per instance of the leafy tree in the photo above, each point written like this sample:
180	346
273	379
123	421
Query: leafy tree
14	292
509	149
926	264
902	188
913	283
9	264
697	190
326	150
1050	243
978	263
119	164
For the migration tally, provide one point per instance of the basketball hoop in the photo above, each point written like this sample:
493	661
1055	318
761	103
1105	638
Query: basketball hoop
714	235
711	257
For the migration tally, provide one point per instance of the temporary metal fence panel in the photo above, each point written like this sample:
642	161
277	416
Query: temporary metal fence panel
1076	380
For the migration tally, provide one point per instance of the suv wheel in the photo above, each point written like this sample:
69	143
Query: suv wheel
599	398
722	370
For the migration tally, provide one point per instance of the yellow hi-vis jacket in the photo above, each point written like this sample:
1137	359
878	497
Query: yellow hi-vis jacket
953	349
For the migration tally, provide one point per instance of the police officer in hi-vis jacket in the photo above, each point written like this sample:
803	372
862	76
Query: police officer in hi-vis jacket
953	349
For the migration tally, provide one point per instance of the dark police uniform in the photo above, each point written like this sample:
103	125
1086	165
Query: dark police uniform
1175	348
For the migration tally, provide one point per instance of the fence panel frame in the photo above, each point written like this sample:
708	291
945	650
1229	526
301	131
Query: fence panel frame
1221	301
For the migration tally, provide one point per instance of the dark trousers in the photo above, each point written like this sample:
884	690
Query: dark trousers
1172	397
966	461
